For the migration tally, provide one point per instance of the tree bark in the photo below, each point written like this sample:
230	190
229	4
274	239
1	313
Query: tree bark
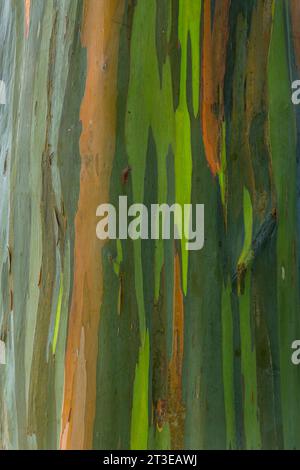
125	344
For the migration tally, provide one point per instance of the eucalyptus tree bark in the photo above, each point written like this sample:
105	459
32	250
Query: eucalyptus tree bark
125	344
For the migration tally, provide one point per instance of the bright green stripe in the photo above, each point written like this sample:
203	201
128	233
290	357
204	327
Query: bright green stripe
119	258
149	105
248	216
248	354
139	417
188	24
58	313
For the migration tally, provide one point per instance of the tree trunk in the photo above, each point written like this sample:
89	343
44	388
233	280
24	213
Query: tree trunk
143	344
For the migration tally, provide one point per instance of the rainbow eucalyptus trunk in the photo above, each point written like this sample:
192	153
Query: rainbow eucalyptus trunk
143	344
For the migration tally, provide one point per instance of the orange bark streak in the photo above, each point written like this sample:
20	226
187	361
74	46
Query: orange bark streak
100	36
215	37
27	16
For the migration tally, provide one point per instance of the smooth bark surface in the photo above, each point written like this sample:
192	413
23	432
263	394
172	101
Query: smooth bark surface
142	344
